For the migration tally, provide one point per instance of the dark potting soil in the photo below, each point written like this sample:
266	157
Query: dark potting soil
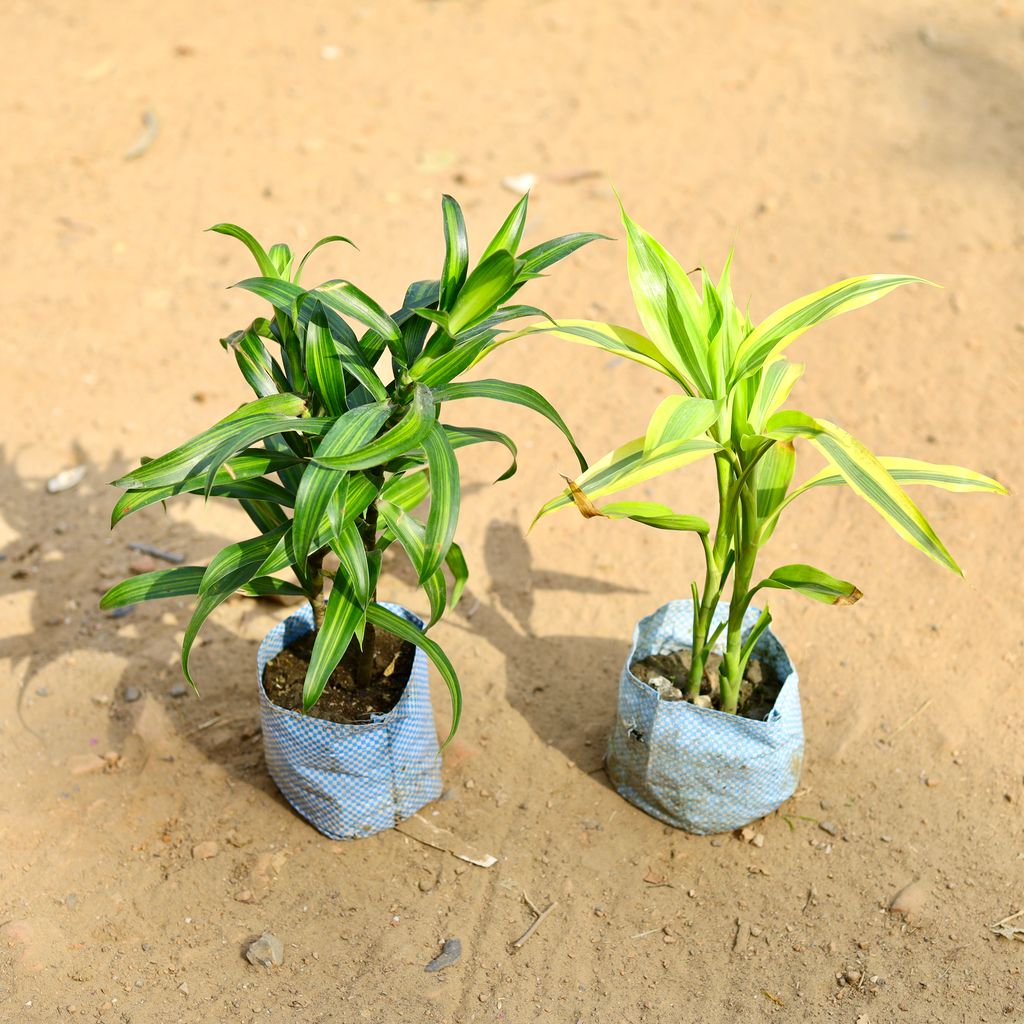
342	700
758	691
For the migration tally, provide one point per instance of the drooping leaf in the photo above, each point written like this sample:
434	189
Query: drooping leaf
351	301
180	581
323	241
651	513
542	256
914	471
411	534
456	252
263	261
445	494
384	618
812	583
456	562
342	617
517	394
348	545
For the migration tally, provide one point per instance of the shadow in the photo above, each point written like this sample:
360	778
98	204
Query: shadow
57	557
564	685
972	97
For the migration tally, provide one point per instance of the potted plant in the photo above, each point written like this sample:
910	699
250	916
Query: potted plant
332	458
708	735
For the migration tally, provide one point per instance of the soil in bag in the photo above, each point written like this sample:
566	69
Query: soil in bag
343	700
758	691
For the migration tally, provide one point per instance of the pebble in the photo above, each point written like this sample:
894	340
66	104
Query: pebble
66	479
178	690
829	827
42	691
426	884
131	694
85	764
909	901
757	841
451	953
142	563
825	805
205	850
519	183
932	781
266	951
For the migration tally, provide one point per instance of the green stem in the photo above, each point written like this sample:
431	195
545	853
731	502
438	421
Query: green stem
315	575
732	668
364	664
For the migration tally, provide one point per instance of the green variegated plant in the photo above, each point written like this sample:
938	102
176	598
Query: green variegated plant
733	379
334	456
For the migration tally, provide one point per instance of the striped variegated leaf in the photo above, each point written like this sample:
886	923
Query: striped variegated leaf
651	513
316	245
384	618
411	534
180	581
867	477
679	418
773	475
813	583
351	301
785	325
517	394
263	260
542	256
483	291
456	252
773	389
445	496
915	471
511	231
627	465
342	617
348	545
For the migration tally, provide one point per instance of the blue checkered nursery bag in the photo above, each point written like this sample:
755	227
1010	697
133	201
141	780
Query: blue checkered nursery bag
350	781
696	768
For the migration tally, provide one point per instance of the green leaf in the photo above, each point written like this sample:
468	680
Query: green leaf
812	583
348	546
773	476
281	257
258	368
408	433
351	301
342	617
867	477
180	581
406	491
434	370
483	291
679	418
914	471
322	241
511	231
456	562
542	256
325	367
270	586
444	500
517	394
764	620
282	295
263	261
384	618
627	465
651	513
350	432
335	350
772	390
411	534
463	437
456	252
785	325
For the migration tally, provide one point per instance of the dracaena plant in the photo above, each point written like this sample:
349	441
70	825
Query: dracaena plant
733	378
333	456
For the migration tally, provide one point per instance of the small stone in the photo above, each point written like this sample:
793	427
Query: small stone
131	694
42	691
245	896
85	764
426	884
183	988
702	700
451	953
757	841
519	183
178	690
746	834
829	827
669	940
909	901
599	911
66	479
205	850
931	781
266	951
142	563
825	805
742	937
716	842
886	839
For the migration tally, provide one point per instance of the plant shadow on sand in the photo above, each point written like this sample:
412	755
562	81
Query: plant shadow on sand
70	663
564	685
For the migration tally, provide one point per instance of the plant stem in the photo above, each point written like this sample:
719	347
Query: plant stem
364	663
314	572
732	668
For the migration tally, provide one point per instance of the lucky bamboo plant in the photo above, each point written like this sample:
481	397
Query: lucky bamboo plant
733	379
332	456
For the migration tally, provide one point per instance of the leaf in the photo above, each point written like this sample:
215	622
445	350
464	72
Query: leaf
384	618
773	475
456	562
281	257
914	471
150	586
463	437
627	465
812	583
651	513
323	241
867	477
270	586
351	301
436	369
256	364
785	325
406	491
517	394
325	368
348	545
511	231
679	418
456	252
482	291
668	306
542	256
411	534
263	261
342	616
445	495
408	433
619	341
764	620
774	388
350	432
282	295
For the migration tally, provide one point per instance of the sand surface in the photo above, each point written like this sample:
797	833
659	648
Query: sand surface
823	140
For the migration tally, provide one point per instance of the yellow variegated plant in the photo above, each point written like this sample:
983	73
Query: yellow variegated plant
733	379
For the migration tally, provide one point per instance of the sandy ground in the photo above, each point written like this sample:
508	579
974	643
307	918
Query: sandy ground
825	140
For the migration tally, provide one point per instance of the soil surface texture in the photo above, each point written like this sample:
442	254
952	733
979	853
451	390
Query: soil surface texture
143	846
